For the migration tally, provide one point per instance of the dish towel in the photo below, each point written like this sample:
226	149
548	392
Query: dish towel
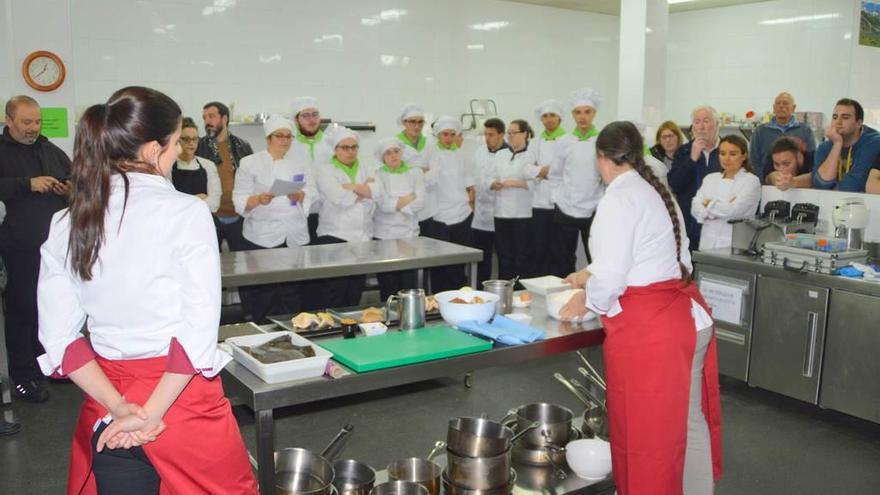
503	330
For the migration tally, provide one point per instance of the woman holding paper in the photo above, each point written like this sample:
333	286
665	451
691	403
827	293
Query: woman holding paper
273	193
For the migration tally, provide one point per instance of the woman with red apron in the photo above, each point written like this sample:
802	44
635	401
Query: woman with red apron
136	262
660	359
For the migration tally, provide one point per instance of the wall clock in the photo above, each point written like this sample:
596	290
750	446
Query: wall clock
43	70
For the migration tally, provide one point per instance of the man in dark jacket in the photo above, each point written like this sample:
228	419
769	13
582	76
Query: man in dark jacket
694	161
226	150
34	184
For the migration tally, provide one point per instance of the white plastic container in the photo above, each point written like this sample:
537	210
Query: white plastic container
590	458
295	369
542	286
370	329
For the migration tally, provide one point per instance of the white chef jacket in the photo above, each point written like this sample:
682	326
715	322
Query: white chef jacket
342	215
157	278
421	159
659	168
547	153
730	199
215	189
581	186
316	154
279	221
388	221
484	205
633	245
513	202
451	173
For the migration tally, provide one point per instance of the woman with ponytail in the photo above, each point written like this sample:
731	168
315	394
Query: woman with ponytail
659	350
136	263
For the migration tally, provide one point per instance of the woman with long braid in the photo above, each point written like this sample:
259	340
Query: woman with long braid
659	350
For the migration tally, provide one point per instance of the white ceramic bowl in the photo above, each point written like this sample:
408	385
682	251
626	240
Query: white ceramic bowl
455	313
589	458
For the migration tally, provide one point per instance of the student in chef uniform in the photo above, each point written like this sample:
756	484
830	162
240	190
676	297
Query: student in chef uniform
452	178
733	193
513	201
483	224
397	208
138	262
581	187
309	147
347	192
193	174
660	358
416	152
546	174
272	221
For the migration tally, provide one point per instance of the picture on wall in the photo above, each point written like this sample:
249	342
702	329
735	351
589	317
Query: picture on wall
869	25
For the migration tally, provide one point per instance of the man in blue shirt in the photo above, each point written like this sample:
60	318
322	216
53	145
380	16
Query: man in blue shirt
844	161
783	123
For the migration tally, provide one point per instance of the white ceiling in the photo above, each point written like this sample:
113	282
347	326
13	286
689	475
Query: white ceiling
612	7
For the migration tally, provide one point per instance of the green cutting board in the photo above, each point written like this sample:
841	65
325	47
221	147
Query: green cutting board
399	348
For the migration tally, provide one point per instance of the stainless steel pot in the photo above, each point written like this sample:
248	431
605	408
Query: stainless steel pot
410	306
418	470
554	423
453	489
478	473
302	472
480	437
399	488
353	477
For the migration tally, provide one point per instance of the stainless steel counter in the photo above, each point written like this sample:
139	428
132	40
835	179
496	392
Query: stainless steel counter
267	266
263	398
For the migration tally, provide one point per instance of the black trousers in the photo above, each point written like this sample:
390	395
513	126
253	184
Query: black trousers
260	301
541	232
428	228
340	291
485	242
231	232
22	339
567	229
451	277
123	471
514	247
313	227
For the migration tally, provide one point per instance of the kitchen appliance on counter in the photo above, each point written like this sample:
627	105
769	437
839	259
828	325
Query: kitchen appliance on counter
850	218
778	220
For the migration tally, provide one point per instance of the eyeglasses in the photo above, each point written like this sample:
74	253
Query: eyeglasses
514	133
310	115
347	147
414	121
282	136
189	140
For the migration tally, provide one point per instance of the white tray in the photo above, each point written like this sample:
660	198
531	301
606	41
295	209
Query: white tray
542	286
295	369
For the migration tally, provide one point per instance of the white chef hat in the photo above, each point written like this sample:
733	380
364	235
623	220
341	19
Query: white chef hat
446	123
275	122
385	145
338	134
585	97
410	110
548	106
301	103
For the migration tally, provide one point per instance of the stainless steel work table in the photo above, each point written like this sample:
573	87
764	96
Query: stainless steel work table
269	266
263	398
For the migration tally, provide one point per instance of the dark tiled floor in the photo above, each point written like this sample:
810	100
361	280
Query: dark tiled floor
773	445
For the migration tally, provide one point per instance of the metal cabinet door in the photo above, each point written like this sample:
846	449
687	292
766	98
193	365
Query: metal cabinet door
734	335
851	369
788	338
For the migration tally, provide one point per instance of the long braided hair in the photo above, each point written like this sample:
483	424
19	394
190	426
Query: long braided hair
621	143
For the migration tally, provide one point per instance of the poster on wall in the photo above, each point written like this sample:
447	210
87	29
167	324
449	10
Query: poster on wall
869	25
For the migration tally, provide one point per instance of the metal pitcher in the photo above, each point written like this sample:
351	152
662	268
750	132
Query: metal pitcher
410	308
504	289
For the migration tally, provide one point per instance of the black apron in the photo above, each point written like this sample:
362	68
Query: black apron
190	181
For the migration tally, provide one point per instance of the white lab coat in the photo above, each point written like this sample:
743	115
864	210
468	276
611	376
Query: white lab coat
450	174
157	279
513	202
421	159
659	168
546	153
215	190
633	245
342	214
279	221
388	221
314	155
484	206
729	199
581	186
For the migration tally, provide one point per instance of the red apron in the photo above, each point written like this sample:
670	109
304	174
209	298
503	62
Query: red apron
201	450
649	350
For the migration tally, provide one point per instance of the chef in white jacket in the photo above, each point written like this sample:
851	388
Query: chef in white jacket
581	186
483	223
417	149
271	220
193	174
733	193
546	175
347	189
451	176
401	197
309	146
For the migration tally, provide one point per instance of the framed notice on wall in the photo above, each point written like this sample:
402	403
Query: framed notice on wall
869	24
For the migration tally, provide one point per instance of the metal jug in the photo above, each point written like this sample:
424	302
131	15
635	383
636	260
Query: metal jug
410	308
504	289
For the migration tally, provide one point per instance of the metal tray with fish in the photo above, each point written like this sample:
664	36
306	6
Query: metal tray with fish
314	330
356	313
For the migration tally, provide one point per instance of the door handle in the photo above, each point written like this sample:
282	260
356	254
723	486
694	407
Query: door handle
810	348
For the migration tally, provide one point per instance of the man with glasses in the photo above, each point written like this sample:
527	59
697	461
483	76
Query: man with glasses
845	160
226	150
417	153
309	147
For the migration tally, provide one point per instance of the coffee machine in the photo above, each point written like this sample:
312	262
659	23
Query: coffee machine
850	217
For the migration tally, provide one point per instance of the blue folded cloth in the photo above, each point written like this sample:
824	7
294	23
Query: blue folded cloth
503	330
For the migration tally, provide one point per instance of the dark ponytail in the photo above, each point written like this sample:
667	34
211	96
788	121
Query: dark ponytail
524	127
108	141
621	142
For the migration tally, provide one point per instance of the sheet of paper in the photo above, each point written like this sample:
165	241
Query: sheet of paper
285	187
725	301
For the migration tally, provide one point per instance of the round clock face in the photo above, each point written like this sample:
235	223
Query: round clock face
44	71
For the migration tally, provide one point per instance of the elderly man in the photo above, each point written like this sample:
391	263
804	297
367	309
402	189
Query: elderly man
694	161
226	150
845	160
34	184
783	123
309	147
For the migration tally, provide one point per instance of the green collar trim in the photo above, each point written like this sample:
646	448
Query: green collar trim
405	140
317	138
451	147
583	137
553	136
647	150
402	169
351	171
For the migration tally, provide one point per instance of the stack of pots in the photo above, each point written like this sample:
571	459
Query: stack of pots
478	457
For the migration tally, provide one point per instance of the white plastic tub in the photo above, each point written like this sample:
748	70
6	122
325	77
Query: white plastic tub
542	286
296	369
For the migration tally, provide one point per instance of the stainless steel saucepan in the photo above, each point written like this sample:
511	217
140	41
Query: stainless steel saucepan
303	472
481	437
